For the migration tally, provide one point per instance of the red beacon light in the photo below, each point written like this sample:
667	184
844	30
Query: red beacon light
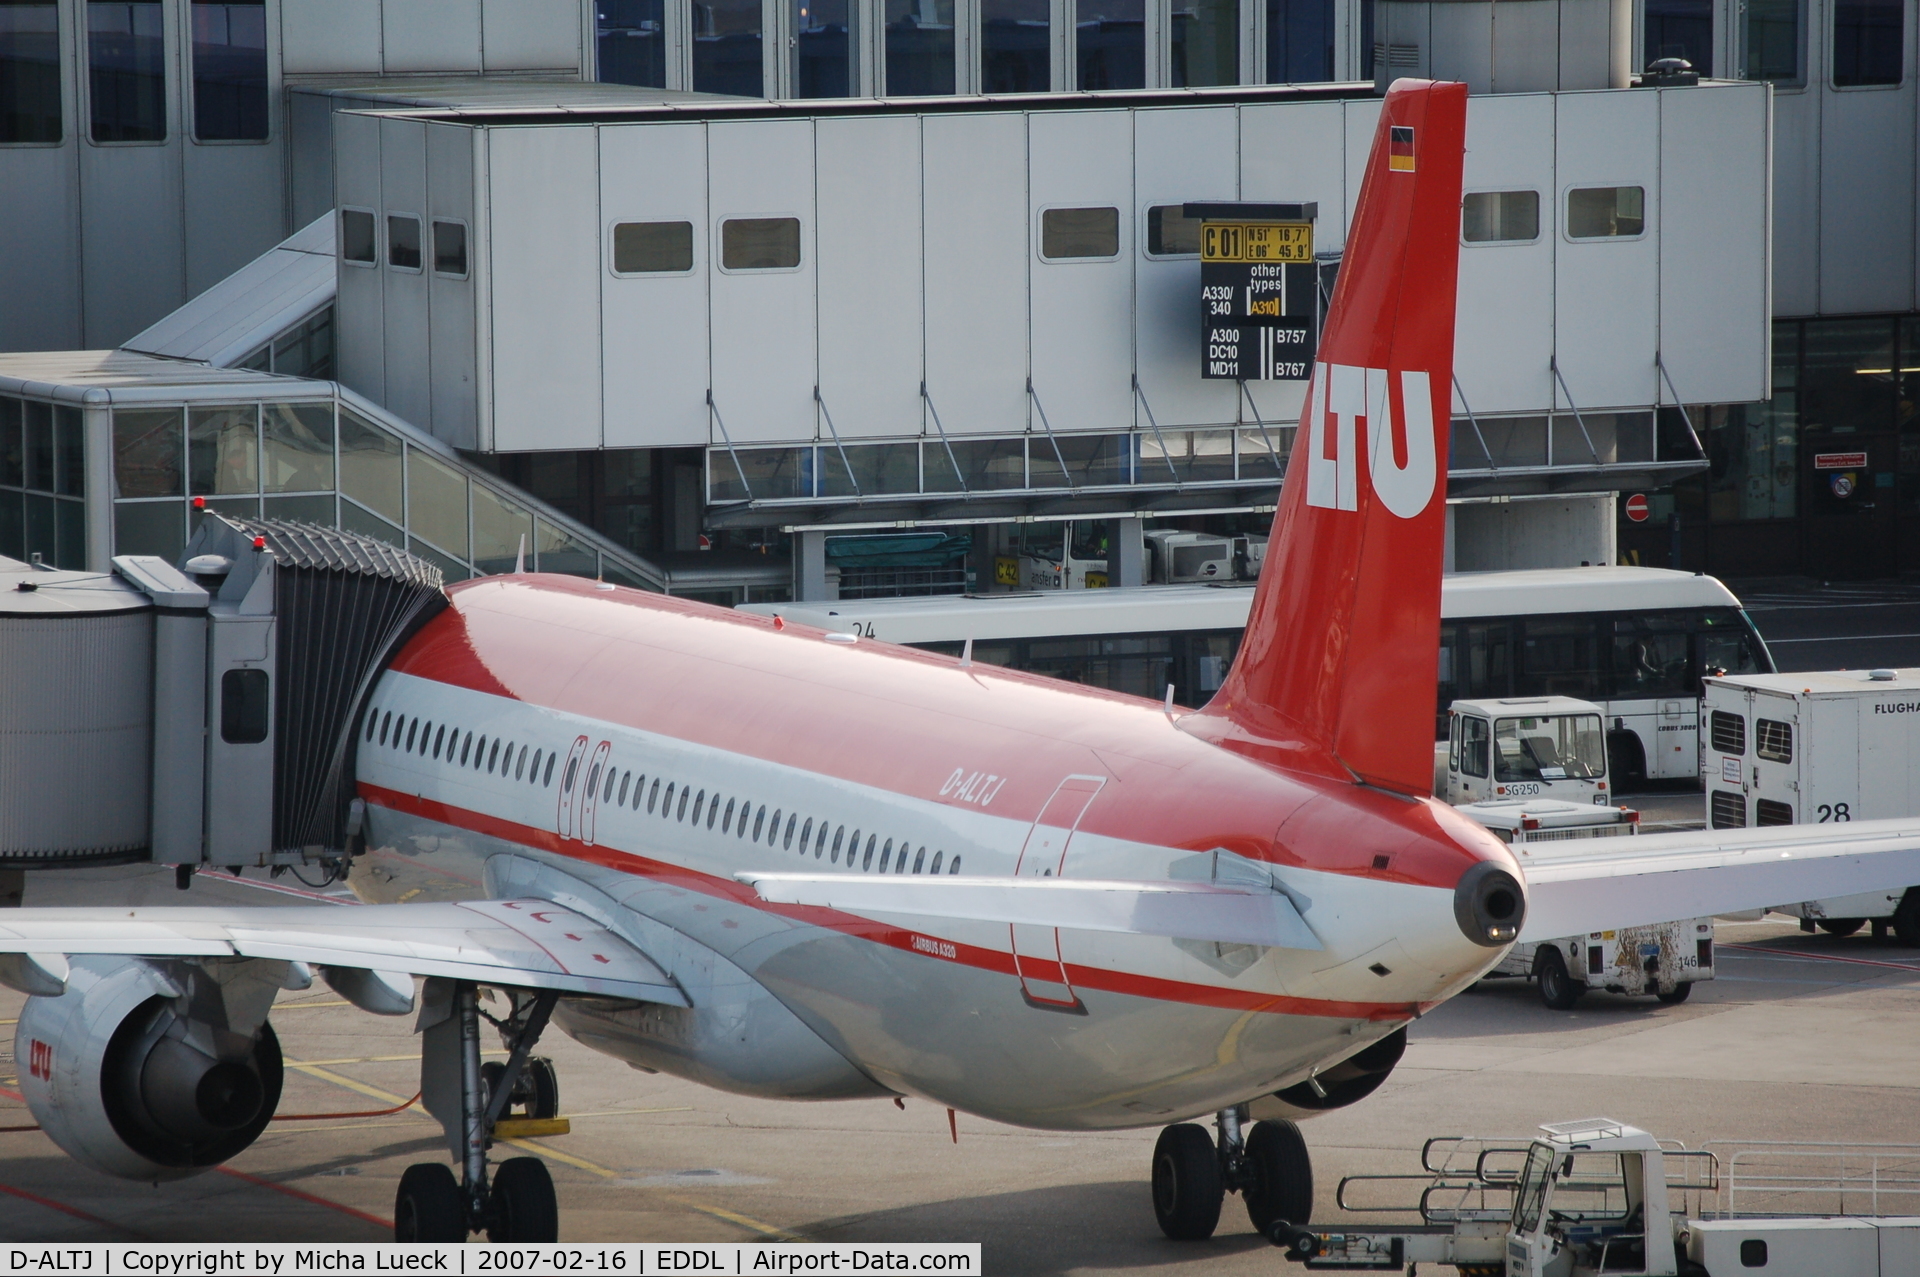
259	543
199	503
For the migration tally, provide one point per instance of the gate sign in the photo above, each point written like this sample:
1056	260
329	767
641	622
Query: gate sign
1637	507
1259	291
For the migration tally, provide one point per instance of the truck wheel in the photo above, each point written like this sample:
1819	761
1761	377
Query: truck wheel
1626	758
1677	994
1838	927
1906	919
1557	989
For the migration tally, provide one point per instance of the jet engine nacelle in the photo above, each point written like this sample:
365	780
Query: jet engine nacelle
1337	1085
151	1072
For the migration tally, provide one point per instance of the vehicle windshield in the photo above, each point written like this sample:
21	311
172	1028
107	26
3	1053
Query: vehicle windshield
1549	747
1532	1197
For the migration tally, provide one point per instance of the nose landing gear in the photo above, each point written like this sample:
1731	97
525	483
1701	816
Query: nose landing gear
1193	1172
518	1205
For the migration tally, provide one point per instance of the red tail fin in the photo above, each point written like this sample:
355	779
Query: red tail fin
1338	664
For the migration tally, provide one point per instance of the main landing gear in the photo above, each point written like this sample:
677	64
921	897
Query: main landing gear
518	1204
1193	1172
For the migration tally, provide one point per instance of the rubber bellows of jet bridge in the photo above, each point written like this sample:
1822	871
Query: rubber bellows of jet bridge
198	713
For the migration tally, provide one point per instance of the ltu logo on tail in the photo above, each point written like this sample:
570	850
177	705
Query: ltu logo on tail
1341	397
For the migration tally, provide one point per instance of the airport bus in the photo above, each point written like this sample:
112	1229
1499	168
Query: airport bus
1635	641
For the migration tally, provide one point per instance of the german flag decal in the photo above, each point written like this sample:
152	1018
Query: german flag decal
1400	148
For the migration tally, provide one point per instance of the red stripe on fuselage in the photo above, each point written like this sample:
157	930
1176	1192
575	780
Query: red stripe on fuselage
916	724
1100	978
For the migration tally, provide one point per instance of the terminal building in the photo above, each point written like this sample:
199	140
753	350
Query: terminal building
716	297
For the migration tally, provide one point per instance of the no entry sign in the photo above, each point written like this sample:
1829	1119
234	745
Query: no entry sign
1637	507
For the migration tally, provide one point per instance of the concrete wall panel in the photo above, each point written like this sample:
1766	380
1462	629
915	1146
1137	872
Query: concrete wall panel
544	262
40	246
1081	310
519	35
403	188
329	36
430	35
977	262
870	306
655	343
452	372
1796	201
764	364
359	307
1504	320
1867	198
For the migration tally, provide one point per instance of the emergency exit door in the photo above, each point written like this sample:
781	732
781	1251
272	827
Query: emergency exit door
1036	950
567	819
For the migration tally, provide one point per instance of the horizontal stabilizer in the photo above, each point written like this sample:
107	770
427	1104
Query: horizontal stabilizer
1578	887
1181	910
528	944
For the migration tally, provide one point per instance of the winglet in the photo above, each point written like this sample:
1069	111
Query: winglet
1337	671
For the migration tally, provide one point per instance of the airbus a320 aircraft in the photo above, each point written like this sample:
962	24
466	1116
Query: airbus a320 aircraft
786	862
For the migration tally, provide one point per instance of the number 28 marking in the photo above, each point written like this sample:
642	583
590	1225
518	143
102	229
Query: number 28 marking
1834	813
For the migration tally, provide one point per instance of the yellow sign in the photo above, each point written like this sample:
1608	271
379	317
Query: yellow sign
1256	241
1006	571
1096	580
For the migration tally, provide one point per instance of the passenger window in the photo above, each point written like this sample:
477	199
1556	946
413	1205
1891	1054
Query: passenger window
760	243
1171	233
713	812
385	724
936	861
1500	217
726	821
466	748
1473	746
426	738
839	836
356	237
566	781
373	724
520	766
246	709
666	808
449	248
639	789
493	755
820	843
900	861
480	755
953	868
698	801
439	739
534	774
758	818
685	794
1069	233
548	778
920	860
1606	212
403	241
593	778
624	778
806	835
867	863
653	794
413	730
606	795
885	853
652	248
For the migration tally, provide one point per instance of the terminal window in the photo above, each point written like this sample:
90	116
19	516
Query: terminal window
449	248
127	71
403	241
1868	39
760	243
356	236
653	248
30	72
1014	50
1680	29
229	70
1069	233
1110	43
1500	217
1606	212
1770	41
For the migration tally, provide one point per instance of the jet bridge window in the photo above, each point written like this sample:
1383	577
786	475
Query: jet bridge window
1067	234
1868	41
403	241
548	778
1171	233
245	707
656	248
760	243
1500	217
1606	212
450	249
357	237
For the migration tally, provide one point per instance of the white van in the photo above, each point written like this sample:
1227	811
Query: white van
1526	747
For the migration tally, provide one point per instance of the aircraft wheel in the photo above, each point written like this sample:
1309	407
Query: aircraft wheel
545	1084
1187	1188
1280	1186
1677	994
1838	927
1906	919
1557	988
429	1206
522	1207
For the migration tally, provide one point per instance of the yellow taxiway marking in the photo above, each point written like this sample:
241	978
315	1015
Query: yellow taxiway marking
372	1059
307	1006
565	1159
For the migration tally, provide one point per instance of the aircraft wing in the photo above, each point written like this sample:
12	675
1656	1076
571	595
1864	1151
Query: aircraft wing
1183	910
529	944
1587	885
